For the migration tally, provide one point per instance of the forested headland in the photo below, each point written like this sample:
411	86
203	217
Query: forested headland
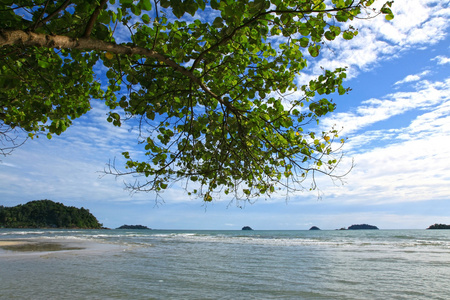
47	214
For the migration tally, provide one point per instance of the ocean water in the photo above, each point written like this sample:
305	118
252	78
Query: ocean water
154	264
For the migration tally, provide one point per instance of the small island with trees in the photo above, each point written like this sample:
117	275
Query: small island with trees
439	226
47	214
247	228
362	227
133	227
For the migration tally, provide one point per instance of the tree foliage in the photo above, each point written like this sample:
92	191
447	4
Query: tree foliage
211	83
46	213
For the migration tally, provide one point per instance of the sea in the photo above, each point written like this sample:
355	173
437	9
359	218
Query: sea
199	264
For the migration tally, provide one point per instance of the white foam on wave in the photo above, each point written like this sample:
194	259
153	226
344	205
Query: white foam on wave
254	240
21	233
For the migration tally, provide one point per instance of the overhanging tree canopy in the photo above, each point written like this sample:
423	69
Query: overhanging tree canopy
208	82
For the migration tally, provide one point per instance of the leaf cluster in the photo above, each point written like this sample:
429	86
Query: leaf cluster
215	97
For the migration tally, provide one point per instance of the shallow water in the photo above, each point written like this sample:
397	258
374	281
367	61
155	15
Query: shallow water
143	264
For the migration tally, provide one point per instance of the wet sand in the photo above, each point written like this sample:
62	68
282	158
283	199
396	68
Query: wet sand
37	246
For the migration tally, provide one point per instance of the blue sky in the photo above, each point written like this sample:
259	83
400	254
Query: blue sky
396	119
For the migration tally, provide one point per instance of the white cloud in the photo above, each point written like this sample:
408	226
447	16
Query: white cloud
416	23
442	60
412	78
408	164
371	111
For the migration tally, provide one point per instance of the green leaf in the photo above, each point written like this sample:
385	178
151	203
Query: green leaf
146	5
178	11
218	22
164	3
207	198
314	50
43	64
191	8
214	4
341	16
145	18
304	42
136	10
348	35
201	4
330	35
104	17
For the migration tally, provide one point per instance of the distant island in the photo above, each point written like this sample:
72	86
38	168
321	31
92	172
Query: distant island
47	214
247	228
133	227
439	226
362	226
314	228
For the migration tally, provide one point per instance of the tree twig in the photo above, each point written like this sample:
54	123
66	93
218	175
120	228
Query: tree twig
39	23
92	19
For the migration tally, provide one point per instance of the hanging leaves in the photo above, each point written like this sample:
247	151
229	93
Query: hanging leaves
206	82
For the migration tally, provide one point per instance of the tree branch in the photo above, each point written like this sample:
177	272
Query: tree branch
41	15
50	16
227	37
93	18
30	39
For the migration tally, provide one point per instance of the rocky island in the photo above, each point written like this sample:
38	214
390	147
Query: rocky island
314	228
247	228
439	226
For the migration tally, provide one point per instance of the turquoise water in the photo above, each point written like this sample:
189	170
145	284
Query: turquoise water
127	264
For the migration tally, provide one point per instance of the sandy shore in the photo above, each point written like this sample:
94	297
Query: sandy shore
11	243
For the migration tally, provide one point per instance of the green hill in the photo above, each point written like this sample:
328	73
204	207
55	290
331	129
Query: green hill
47	214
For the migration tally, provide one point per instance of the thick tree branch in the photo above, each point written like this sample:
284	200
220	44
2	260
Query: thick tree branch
30	39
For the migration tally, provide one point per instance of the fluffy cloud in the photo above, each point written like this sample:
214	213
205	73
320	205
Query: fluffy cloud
442	60
417	23
398	164
411	78
426	95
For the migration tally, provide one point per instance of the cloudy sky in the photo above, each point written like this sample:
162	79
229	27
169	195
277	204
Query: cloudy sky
396	119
